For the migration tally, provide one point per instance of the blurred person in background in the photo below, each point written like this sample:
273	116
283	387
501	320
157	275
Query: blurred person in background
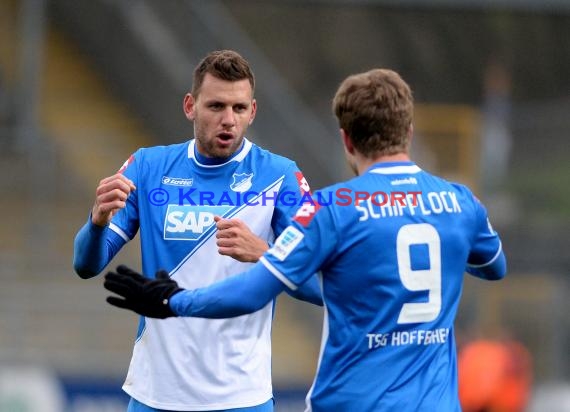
496	141
494	376
187	200
392	272
5	111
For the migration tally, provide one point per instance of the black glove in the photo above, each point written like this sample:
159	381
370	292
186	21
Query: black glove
147	297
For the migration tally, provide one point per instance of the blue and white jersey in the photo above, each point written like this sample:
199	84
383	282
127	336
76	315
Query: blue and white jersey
189	363
392	246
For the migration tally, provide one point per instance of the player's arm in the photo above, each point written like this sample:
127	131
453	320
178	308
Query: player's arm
295	257
310	291
95	244
238	295
236	240
110	197
94	247
162	297
291	195
486	259
495	269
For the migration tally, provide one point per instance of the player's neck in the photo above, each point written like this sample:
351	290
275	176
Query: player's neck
364	163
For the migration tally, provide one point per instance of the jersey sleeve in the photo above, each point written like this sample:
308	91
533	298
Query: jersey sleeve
94	246
126	222
486	259
294	258
237	295
304	246
295	188
292	190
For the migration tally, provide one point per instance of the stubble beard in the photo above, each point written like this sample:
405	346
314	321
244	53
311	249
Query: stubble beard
209	148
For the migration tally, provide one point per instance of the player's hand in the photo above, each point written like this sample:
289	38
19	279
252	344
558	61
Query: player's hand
237	241
145	296
110	196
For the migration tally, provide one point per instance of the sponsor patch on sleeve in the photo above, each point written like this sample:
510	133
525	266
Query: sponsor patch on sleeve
303	185
286	242
306	212
130	160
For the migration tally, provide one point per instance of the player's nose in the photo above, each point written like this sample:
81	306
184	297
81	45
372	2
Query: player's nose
228	117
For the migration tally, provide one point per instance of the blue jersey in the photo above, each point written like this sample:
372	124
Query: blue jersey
178	195
392	246
200	364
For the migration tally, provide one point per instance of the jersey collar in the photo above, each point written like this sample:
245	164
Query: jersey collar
208	162
394	168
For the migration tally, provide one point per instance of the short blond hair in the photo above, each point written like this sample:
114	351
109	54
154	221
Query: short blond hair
376	110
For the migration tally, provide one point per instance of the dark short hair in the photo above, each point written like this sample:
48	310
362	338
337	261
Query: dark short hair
375	109
225	65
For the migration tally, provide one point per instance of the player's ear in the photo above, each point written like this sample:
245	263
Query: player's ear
347	142
188	106
253	111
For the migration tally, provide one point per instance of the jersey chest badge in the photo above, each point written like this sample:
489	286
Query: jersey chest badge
241	182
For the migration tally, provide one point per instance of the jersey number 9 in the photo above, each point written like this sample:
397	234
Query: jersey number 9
420	279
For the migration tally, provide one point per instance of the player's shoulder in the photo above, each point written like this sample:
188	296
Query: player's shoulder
463	189
265	156
463	193
458	187
160	152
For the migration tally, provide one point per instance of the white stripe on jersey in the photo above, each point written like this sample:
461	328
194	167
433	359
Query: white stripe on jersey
119	231
278	274
206	364
324	339
275	185
489	262
396	170
237	158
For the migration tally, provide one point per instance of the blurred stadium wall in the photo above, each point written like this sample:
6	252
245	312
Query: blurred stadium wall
83	84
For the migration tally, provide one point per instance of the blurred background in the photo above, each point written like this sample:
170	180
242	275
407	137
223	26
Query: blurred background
85	83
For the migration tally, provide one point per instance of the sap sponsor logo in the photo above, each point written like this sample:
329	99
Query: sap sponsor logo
404	181
286	242
241	182
186	222
177	181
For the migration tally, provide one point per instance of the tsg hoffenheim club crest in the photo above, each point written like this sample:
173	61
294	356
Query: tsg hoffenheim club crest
242	182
